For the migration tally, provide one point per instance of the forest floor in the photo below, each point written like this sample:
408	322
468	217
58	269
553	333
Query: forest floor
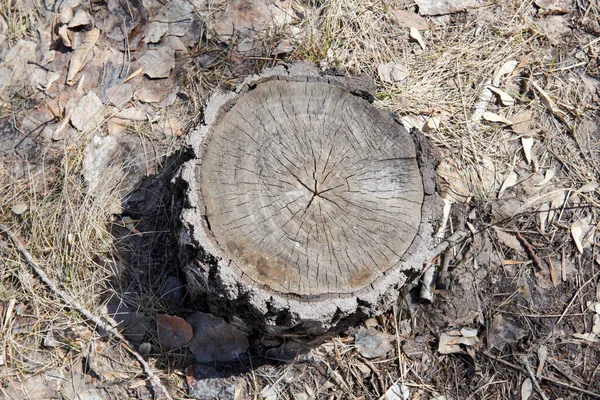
97	98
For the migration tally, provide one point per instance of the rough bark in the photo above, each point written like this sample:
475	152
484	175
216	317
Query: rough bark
307	208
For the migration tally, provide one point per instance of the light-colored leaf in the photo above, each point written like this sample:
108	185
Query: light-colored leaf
20	208
505	98
80	53
527	143
509	240
521	121
416	35
588	337
588	187
596	327
88	114
407	19
158	63
581	231
493	117
542	354
548	102
507	68
547	177
450	342
432	124
392	72
397	392
526	389
372	343
509	181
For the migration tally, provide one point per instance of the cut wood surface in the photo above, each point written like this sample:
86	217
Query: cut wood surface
306	208
309	189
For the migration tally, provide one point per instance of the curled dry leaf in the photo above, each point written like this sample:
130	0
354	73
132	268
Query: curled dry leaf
583	233
450	342
547	177
507	68
548	102
493	117
505	98
416	35
432	124
80	53
527	143
509	181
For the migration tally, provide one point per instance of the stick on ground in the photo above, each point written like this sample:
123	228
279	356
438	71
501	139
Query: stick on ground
70	301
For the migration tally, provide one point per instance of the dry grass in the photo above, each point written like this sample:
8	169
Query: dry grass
73	237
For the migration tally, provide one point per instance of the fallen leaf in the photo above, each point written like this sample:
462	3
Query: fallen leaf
507	68
526	389
81	18
372	343
407	19
120	94
442	7
397	392
588	187
509	240
65	36
547	177
432	124
215	340
155	30
88	114
521	121
80	54
542	354
20	208
583	233
158	63
503	331
596	327
509	181
114	126
493	117
548	102
134	74
588	337
527	143
505	98
173	332
555	6
450	342
392	72
416	35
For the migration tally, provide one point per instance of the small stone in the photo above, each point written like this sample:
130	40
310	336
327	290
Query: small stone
20	208
144	348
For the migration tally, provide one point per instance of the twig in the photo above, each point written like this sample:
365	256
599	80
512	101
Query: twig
537	261
536	384
543	377
69	300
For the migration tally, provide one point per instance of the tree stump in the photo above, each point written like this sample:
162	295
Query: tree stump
306	207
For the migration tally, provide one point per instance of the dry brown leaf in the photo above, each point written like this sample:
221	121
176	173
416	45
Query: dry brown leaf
547	177
158	63
521	121
88	114
542	354
583	233
507	68
20	208
450	342
407	19
554	6
432	124
392	72
505	98
527	143
80	54
588	187
493	117
548	102
81	18
509	181
509	240
416	35
442	7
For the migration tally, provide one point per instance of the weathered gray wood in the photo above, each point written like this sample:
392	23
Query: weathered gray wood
307	205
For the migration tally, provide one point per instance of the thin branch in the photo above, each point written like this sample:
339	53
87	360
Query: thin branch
70	301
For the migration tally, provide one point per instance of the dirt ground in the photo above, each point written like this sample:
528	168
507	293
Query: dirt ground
97	98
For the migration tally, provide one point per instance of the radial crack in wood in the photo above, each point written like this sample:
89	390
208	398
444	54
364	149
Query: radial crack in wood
307	207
